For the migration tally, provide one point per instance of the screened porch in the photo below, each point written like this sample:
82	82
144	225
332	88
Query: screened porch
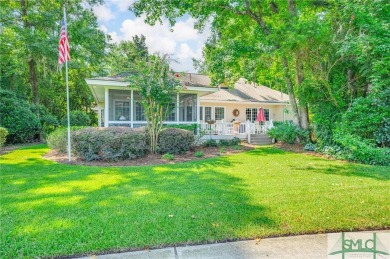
124	108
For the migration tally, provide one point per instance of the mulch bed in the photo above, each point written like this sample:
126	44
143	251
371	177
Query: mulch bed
151	159
157	159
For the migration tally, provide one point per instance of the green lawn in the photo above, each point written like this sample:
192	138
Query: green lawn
50	209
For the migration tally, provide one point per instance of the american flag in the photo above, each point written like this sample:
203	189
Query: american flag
63	46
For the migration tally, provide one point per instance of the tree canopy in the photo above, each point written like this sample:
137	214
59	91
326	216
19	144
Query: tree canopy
330	56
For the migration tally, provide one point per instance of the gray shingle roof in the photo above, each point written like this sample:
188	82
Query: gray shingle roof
245	92
189	79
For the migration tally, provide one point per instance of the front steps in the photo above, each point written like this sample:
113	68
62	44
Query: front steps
260	139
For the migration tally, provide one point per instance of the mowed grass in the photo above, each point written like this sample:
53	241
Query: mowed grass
51	209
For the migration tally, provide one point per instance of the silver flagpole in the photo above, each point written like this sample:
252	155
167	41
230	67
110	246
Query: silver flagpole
67	93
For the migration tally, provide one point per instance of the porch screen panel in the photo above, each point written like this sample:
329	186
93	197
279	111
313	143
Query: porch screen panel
201	113
172	108
187	107
119	105
139	113
219	113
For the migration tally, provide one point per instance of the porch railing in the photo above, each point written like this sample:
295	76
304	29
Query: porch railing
218	128
231	128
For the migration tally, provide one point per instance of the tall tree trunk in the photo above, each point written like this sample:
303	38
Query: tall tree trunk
31	66
290	90
303	108
33	81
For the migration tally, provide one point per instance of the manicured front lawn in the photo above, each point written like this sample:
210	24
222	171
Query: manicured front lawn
50	209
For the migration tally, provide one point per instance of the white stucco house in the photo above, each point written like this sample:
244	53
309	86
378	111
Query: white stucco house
221	112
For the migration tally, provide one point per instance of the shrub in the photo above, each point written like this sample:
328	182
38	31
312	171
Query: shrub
49	124
235	141
77	118
199	154
368	118
310	147
287	132
48	121
222	150
382	135
356	149
58	139
109	144
210	143
16	116
3	135
230	142
175	141
236	147
168	156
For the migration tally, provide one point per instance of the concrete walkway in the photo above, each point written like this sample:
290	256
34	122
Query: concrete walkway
297	247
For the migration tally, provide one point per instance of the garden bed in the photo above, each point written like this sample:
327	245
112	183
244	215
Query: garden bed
151	159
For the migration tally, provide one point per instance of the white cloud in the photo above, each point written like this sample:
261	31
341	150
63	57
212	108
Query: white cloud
103	13
181	41
122	5
103	28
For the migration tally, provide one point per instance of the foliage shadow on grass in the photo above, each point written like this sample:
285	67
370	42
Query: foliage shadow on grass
78	209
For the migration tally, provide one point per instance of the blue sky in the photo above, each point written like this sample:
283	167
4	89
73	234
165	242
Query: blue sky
182	41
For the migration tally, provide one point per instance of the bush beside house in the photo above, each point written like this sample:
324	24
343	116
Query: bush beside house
118	143
109	144
287	132
175	141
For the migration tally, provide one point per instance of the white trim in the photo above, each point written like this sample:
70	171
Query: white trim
177	108
237	102
99	82
145	122
197	108
105	82
132	107
99	112
106	106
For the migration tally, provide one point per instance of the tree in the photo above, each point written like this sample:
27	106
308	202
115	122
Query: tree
250	38
156	84
121	56
29	42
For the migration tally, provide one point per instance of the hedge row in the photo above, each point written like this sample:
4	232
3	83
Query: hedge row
109	144
119	143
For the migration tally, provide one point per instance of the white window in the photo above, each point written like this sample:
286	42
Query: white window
207	114
251	114
266	114
219	113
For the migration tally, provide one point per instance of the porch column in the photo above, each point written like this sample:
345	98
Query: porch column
106	105
248	131
131	108
198	114
177	108
99	112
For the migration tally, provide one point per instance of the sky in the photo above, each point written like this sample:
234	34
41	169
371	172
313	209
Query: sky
181	41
